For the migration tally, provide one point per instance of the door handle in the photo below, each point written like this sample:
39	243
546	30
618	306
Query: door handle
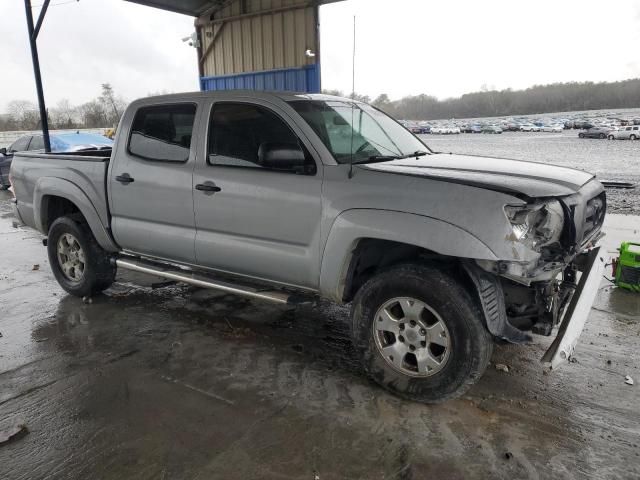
208	187
124	178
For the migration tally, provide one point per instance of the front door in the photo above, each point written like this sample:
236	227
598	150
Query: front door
150	183
257	213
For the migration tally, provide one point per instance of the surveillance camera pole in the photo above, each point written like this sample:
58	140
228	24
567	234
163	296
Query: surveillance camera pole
33	36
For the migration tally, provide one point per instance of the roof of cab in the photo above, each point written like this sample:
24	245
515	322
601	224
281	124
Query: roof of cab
284	96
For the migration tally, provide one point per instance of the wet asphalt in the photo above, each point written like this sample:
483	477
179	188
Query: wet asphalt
180	383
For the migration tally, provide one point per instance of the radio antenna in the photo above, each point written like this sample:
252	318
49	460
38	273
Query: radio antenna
353	62
353	92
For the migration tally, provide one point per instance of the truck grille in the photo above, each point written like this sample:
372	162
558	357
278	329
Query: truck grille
594	215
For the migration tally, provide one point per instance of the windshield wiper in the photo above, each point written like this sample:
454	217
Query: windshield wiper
384	158
375	158
416	154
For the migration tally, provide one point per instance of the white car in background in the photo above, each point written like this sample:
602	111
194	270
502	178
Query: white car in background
529	127
631	132
553	128
445	130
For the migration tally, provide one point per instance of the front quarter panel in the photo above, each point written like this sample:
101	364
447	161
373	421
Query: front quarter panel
354	225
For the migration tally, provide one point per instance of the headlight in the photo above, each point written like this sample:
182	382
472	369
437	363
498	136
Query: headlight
536	225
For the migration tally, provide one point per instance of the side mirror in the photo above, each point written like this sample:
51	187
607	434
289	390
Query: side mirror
282	156
3	151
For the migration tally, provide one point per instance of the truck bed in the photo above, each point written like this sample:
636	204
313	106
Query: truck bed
86	170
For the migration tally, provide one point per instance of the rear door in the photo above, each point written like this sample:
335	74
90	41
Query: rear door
260	221
150	184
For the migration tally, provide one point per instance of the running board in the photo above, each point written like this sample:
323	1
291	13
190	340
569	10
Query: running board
206	281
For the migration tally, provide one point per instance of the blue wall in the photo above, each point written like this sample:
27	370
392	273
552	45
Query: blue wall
303	79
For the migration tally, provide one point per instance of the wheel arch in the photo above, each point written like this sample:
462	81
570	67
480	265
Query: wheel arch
361	241
54	197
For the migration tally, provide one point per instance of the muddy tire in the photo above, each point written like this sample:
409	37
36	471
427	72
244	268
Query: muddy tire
80	265
421	334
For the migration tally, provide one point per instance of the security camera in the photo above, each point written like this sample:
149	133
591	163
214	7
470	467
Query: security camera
192	40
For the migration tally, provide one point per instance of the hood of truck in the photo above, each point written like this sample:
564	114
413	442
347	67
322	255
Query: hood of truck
516	177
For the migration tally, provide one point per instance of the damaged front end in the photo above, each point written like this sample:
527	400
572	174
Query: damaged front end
552	283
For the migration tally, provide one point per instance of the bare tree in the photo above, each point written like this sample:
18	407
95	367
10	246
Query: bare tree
25	114
64	114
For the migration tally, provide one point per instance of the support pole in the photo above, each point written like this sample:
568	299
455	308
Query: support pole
33	34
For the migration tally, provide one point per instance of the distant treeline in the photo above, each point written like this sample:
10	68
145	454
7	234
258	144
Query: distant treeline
557	97
103	111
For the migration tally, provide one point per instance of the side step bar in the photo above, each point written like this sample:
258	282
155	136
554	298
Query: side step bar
206	281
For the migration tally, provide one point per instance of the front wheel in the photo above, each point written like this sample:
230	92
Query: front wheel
611	137
581	135
80	265
422	335
602	135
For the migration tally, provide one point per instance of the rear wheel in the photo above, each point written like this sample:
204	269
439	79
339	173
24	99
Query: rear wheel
80	265
602	135
632	137
422	335
581	135
611	137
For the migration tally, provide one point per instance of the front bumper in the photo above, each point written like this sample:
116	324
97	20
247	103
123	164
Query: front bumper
578	310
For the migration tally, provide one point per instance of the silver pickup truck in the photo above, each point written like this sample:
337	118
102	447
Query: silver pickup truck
290	197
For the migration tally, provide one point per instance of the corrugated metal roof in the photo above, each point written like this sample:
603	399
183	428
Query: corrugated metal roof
247	41
196	8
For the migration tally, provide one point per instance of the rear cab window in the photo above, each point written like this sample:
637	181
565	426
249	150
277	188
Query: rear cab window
21	144
162	132
37	143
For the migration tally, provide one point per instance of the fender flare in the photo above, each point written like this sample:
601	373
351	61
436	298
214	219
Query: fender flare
353	225
58	187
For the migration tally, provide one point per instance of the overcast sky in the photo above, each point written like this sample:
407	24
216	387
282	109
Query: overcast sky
403	47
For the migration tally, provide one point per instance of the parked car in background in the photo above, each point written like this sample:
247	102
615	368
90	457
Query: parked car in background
60	142
631	132
414	128
491	129
424	127
529	127
582	125
553	128
445	130
595	132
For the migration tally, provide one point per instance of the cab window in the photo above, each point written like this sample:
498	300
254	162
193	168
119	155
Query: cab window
21	144
37	143
251	136
163	132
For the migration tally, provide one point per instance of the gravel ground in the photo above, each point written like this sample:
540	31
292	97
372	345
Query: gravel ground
609	160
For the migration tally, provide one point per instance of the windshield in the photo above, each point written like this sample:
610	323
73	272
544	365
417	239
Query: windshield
355	131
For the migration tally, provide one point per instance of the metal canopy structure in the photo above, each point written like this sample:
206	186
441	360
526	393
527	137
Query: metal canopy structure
254	44
245	44
199	8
